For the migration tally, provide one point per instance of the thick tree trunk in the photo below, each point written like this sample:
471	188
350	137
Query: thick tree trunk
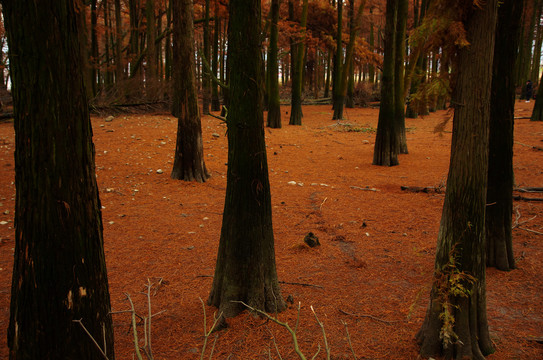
387	139
500	162
274	109
59	271
189	162
456	322
245	269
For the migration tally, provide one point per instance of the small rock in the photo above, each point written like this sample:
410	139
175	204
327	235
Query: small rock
205	219
109	118
6	212
367	234
292	183
111	222
215	135
3	222
159	171
190	247
163	143
311	240
365	142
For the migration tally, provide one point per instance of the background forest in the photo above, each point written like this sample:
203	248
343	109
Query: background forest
94	86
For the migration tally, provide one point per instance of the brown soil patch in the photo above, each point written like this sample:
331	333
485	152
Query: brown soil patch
377	247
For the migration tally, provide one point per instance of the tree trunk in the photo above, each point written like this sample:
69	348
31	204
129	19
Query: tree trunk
152	66
371	68
189	162
274	108
206	78
59	271
338	66
245	269
399	68
94	50
298	65
500	162
215	101
456	322
537	112
387	139
119	67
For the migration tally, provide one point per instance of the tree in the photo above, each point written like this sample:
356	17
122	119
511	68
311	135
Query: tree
189	161
537	112
343	69
399	67
206	78
387	139
456	322
297	71
59	271
274	105
245	269
500	162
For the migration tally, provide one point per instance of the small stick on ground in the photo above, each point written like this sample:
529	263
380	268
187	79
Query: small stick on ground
366	316
530	230
301	284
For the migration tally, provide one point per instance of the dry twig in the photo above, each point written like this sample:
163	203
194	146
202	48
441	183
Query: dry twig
366	316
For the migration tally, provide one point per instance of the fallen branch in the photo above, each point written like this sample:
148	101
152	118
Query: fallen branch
420	189
523	198
366	316
301	284
363	188
530	146
529	189
530	230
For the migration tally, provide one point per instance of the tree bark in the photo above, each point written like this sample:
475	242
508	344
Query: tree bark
298	64
456	322
537	112
215	101
399	69
245	269
189	164
387	139
500	162
59	271
206	78
274	106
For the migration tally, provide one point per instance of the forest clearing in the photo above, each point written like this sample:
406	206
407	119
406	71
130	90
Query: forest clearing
372	270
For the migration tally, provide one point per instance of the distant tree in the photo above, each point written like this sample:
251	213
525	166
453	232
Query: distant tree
500	162
456	322
297	71
215	101
59	270
206	78
274	108
245	269
343	69
399	68
189	161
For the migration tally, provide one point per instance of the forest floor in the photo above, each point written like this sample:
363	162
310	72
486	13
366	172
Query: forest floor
373	269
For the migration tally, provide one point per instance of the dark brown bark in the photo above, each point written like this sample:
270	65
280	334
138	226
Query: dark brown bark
461	249
399	68
206	78
274	109
151	73
59	271
245	269
215	101
500	163
387	139
189	164
297	71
